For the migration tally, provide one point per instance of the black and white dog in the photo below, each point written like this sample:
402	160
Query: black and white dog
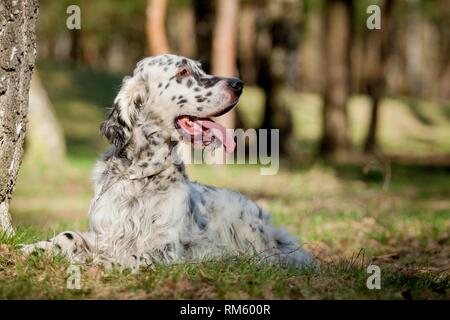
145	210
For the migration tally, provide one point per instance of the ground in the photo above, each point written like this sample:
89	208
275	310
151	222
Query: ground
348	215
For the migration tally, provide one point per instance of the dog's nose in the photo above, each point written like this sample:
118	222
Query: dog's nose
236	84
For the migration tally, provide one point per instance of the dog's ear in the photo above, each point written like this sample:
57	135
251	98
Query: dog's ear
116	130
134	91
131	98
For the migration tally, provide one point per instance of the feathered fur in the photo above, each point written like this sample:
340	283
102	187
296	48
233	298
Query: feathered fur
145	209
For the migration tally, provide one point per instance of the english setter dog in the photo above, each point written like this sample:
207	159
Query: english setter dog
145	210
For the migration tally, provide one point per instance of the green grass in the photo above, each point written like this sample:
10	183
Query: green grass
43	277
342	213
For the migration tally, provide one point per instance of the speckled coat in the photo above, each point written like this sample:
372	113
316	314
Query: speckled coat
145	210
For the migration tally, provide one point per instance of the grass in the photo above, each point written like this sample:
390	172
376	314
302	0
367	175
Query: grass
348	217
43	277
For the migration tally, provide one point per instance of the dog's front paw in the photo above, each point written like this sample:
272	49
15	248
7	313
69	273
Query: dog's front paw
27	249
145	260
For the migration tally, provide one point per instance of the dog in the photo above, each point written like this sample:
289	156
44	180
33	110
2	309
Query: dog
145	210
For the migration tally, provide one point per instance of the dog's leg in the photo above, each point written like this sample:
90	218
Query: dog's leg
288	250
77	247
135	261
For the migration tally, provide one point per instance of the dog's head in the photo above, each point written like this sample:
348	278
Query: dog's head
176	92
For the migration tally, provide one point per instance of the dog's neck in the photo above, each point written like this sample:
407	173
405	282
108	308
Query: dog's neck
149	154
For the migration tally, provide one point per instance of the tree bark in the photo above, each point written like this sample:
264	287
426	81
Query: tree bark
335	138
45	139
156	28
224	49
17	56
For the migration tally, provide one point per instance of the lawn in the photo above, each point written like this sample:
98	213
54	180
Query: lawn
348	215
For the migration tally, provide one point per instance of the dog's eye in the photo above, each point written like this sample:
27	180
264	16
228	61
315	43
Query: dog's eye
184	72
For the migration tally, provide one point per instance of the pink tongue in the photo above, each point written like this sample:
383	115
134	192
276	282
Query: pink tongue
220	133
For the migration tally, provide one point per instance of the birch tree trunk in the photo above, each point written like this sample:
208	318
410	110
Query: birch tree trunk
224	48
17	56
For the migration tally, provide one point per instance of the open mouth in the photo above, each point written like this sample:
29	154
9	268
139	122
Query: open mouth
201	132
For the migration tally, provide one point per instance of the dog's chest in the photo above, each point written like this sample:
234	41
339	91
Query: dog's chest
141	212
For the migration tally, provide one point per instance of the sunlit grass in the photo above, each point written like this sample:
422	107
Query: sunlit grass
43	277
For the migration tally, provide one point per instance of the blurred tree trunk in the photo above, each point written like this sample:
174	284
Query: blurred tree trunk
444	90
45	140
156	28
311	63
277	43
224	48
376	87
17	56
414	53
90	51
246	42
444	39
76	45
335	140
204	22
182	27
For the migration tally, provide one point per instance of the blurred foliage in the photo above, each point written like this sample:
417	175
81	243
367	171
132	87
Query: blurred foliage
408	126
